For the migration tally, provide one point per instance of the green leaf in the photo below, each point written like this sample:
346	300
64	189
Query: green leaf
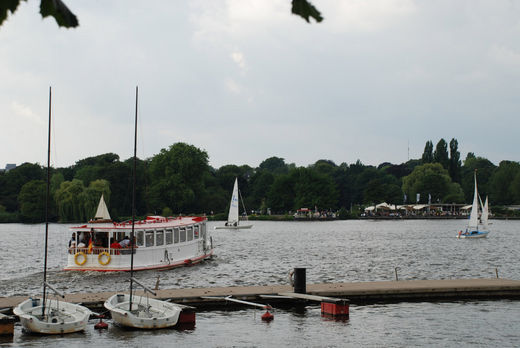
57	9
7	5
305	9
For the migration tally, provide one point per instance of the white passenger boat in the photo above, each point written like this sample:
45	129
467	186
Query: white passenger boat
160	243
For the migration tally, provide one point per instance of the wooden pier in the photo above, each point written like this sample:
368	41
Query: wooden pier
357	293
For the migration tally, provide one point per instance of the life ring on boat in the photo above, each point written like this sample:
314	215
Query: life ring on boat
100	258
82	262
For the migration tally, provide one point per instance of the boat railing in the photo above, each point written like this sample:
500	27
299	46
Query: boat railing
99	250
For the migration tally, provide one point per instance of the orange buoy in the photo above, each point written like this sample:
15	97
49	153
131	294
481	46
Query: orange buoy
267	316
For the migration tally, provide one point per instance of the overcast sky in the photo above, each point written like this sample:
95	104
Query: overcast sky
247	80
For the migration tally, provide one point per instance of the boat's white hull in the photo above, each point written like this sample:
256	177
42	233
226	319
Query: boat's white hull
238	227
61	317
146	313
143	260
473	234
162	243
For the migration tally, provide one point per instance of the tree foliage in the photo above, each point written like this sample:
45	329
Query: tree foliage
75	202
32	199
427	156
454	163
179	180
65	18
176	177
441	154
54	8
502	182
431	179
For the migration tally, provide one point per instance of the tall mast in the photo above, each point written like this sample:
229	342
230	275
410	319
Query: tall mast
47	204
133	199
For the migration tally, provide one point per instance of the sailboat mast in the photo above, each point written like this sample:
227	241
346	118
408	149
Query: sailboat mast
47	204
133	199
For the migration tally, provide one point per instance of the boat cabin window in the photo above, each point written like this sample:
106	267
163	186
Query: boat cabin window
169	236
196	231
176	235
149	238
159	237
140	238
183	234
190	232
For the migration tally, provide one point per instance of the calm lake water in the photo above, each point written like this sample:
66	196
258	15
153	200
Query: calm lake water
335	251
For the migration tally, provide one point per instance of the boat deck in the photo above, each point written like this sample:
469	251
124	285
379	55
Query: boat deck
358	292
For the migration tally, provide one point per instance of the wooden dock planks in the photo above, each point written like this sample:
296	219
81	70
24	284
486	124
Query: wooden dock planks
356	292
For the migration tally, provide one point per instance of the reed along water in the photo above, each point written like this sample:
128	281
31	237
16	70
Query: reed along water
332	251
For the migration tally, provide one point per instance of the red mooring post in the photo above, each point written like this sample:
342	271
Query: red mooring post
187	317
6	325
335	308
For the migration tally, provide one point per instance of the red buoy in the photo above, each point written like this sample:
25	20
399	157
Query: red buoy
101	325
267	316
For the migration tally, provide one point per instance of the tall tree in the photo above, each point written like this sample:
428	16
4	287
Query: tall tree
13	181
431	179
502	182
176	177
427	156
455	163
281	194
313	189
275	165
441	154
32	201
485	170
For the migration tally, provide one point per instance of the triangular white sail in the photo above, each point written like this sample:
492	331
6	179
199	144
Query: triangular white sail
233	221
485	215
473	217
477	225
102	210
233	207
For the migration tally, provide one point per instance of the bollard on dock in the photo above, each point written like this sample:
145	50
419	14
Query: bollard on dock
300	281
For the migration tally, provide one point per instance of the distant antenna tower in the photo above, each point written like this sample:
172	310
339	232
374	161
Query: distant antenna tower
408	149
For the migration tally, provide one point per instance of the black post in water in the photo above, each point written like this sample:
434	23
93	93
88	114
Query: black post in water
300	281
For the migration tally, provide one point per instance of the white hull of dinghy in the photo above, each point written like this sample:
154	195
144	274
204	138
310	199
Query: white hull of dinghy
239	227
61	317
146	313
479	234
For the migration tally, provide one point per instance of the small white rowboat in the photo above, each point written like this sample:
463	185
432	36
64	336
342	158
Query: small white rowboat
146	313
59	318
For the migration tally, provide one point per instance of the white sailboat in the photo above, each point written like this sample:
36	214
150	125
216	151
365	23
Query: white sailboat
477	227
140	312
45	315
233	221
102	214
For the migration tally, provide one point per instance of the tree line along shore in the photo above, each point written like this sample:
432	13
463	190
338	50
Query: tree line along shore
179	180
